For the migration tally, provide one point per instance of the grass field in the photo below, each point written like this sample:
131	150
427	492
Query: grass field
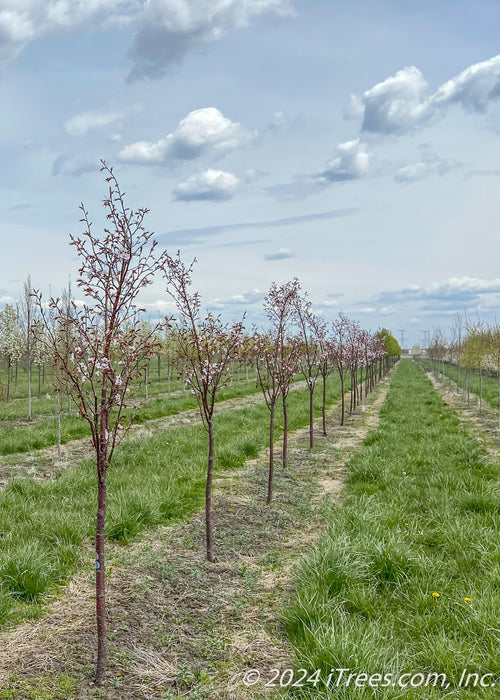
406	579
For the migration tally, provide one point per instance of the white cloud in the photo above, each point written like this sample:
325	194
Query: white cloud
166	29
401	103
253	296
281	254
213	185
456	292
365	310
81	124
163	306
199	131
430	164
278	120
172	28
351	161
24	21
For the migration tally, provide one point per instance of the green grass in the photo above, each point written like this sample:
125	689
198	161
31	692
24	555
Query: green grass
45	525
420	517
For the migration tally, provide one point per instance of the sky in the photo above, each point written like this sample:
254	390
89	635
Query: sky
354	145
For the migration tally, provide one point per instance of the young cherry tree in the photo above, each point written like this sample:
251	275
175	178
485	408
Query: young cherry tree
310	356
108	352
206	346
325	362
279	305
340	354
266	358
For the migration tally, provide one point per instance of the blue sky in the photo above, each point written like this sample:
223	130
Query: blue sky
354	145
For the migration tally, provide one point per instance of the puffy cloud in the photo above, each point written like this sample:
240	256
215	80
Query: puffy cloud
166	29
430	164
281	254
401	103
199	131
351	161
24	21
456	290
81	124
397	103
253	296
278	120
212	185
172	28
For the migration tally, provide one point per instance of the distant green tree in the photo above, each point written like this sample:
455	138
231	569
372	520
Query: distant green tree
392	346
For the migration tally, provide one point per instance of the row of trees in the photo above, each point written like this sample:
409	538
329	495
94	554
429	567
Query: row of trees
473	347
102	348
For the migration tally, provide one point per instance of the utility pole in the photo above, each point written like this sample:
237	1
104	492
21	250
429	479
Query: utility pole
403	333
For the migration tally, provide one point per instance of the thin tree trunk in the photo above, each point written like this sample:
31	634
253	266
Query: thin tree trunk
208	493
498	378
480	391
29	389
102	647
311	417
342	400
9	373
285	431
58	423
323	406
271	457
39	381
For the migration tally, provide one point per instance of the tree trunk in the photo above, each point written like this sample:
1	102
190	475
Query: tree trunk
498	378
323	407
480	391
271	457
311	417
100	583
9	372
208	493
29	389
285	431
39	381
58	423
342	399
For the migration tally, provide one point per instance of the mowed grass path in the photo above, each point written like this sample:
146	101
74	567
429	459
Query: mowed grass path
46	526
407	577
